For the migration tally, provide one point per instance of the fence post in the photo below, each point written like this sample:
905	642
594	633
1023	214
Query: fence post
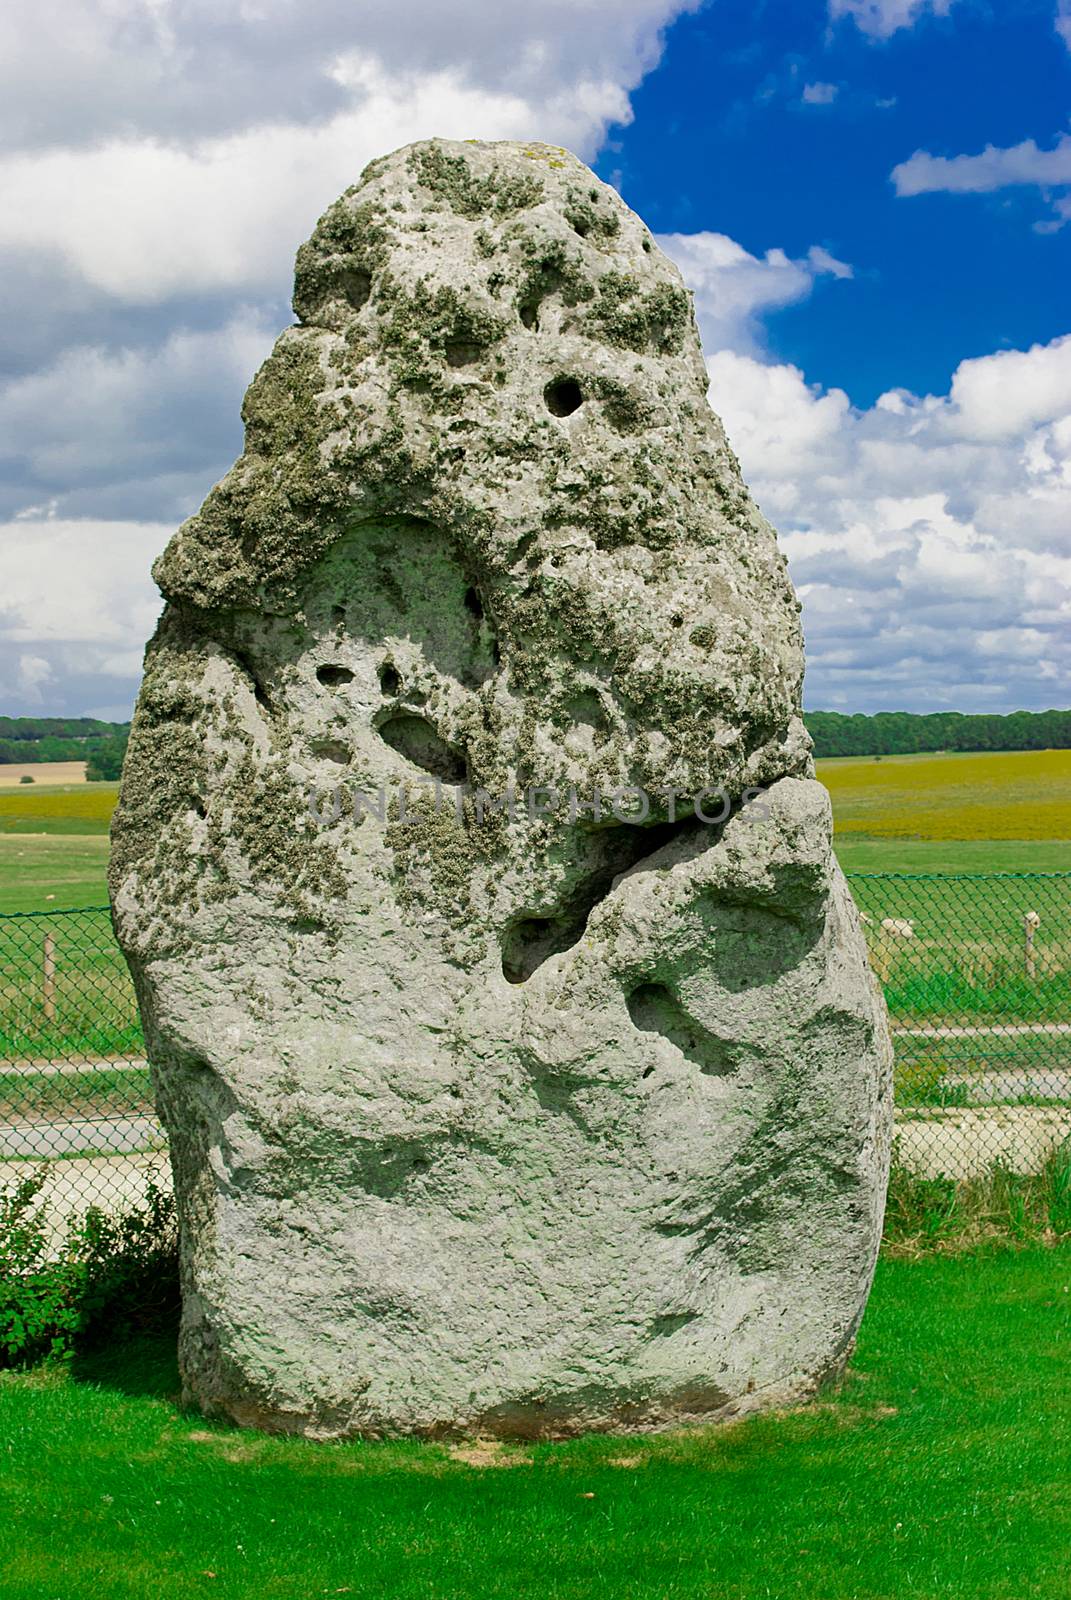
1031	921
48	977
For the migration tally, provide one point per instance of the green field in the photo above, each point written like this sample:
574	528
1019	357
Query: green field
936	1471
54	847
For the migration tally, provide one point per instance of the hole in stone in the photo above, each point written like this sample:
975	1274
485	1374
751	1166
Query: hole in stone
198	808
338	615
654	1008
587	707
330	750
496	653
530	314
462	352
472	603
333	677
563	397
390	679
581	228
414	738
356	285
647	246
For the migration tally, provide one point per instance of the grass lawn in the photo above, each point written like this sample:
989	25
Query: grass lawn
937	1469
858	854
54	846
52	871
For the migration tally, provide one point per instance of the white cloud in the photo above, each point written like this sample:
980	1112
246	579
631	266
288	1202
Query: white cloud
81	583
1002	396
99	416
819	94
33	672
882	18
733	288
146	221
993	168
86	71
206	186
929	537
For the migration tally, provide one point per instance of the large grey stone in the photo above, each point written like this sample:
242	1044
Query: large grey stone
519	1123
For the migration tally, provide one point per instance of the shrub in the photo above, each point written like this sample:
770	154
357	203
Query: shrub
26	778
950	1215
116	1273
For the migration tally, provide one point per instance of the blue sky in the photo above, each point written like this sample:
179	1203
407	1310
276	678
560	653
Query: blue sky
871	200
723	137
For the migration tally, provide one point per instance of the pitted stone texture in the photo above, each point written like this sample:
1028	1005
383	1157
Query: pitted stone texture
527	1123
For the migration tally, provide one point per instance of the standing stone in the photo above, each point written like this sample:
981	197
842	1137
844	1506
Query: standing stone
524	1123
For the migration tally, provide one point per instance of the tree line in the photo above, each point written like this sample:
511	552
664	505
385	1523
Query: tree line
902	733
888	733
28	740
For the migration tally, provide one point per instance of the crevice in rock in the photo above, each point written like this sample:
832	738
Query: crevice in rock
390	681
661	1327
531	938
416	739
260	693
654	1008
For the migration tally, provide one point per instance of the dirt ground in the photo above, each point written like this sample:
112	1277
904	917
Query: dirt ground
42	772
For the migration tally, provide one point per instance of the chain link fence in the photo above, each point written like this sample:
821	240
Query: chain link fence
976	971
977	976
74	1082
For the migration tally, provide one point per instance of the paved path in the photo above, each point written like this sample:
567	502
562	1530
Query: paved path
994	1088
1004	1029
115	1184
68	1069
94	1135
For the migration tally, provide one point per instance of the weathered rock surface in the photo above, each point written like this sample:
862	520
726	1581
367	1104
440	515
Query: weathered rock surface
517	1123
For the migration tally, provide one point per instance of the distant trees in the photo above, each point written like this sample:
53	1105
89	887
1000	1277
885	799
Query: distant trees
25	740
106	762
899	733
888	733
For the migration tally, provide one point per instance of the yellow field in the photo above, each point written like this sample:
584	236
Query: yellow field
1020	794
83	808
42	772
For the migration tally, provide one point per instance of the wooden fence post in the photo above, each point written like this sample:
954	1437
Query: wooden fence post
48	977
1031	920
